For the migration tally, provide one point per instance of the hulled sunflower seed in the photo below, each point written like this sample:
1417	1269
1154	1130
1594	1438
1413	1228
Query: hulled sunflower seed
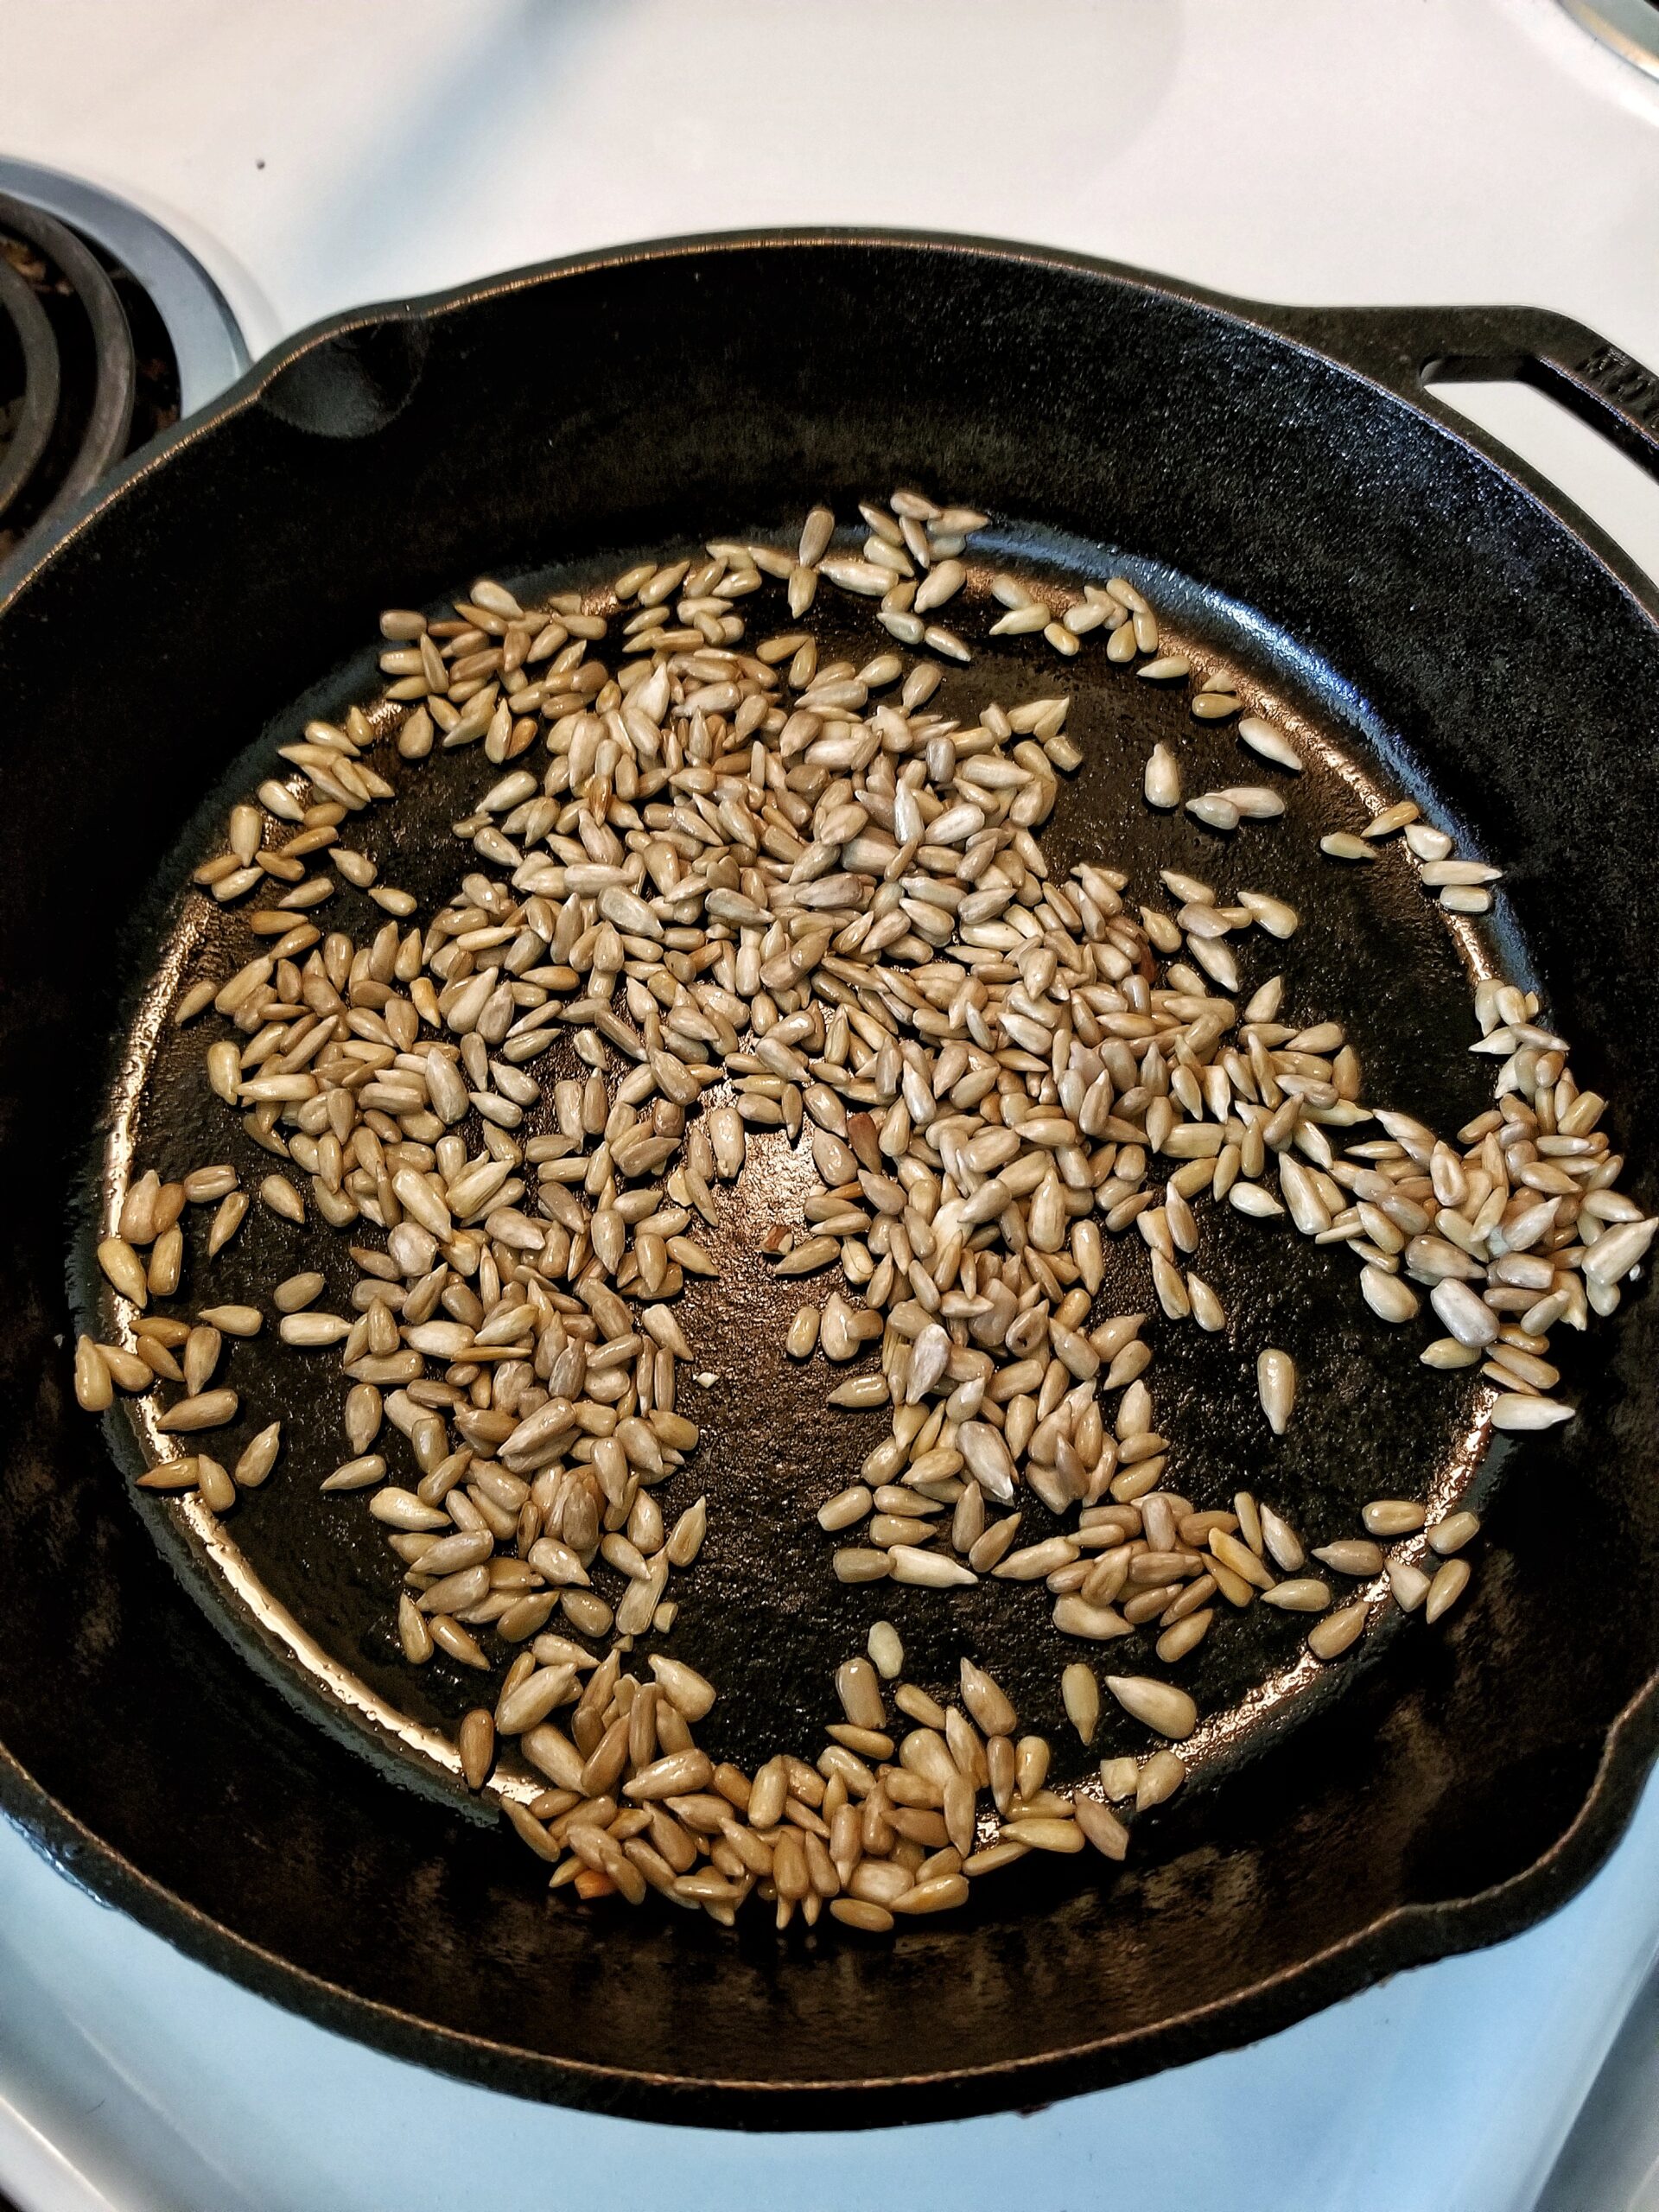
1080	1693
1275	1381
1265	738
1164	1709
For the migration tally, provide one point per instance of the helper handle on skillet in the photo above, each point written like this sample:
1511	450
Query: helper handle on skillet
1408	348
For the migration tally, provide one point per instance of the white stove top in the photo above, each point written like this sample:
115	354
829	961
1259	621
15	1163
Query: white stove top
318	155
132	2080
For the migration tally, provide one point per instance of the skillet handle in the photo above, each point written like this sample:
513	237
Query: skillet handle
1408	347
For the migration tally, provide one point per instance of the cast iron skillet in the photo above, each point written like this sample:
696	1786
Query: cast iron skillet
1414	592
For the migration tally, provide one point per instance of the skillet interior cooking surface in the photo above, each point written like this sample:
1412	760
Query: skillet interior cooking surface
1445	623
762	1614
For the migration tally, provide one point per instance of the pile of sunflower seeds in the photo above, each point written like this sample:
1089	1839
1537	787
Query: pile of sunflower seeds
790	885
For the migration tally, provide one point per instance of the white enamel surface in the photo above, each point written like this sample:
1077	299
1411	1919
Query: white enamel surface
1449	2089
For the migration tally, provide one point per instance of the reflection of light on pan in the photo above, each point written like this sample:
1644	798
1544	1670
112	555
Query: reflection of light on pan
1453	1484
362	1703
276	1625
140	1046
778	1179
352	1698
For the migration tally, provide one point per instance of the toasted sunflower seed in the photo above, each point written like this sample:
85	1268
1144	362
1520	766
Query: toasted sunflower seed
1080	1693
1265	738
1166	1710
1275	1379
